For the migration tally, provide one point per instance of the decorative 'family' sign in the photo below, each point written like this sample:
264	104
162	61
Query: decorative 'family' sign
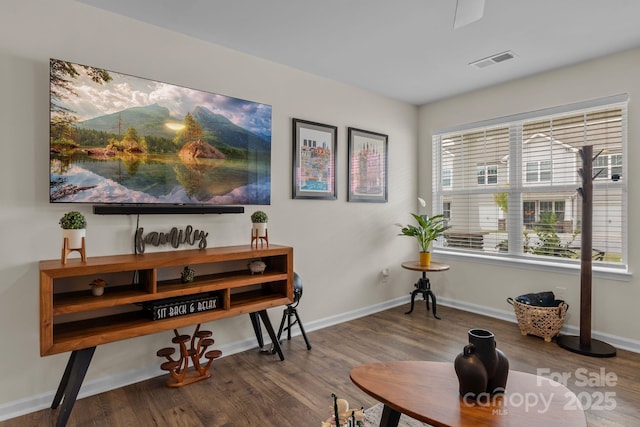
174	237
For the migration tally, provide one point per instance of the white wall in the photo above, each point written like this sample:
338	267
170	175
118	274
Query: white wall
476	283
339	247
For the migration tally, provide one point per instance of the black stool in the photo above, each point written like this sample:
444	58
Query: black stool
291	311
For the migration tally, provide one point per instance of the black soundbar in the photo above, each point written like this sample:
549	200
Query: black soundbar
164	209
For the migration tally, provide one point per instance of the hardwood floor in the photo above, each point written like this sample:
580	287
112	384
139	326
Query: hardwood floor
252	389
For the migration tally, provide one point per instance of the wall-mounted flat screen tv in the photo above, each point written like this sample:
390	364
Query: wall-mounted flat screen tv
119	139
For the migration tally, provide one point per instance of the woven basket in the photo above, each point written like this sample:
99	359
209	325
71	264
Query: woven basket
543	322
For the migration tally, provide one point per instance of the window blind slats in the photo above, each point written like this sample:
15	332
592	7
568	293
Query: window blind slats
475	192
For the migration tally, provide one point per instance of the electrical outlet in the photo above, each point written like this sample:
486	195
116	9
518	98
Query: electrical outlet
384	275
561	292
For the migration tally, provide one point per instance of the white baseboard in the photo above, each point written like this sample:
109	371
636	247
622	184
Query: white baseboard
508	315
20	407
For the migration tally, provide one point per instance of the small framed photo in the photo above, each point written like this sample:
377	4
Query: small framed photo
314	160
367	166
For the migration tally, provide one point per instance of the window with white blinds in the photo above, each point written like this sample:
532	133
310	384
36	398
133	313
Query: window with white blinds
508	187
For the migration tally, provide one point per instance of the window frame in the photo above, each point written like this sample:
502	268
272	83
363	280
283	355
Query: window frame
447	178
486	176
539	171
609	168
609	269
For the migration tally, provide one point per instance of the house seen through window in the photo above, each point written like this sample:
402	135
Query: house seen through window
508	187
487	174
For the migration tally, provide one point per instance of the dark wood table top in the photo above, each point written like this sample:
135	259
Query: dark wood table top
433	266
428	392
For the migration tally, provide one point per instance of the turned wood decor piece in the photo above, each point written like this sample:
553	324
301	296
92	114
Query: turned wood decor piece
66	250
181	375
584	344
256	238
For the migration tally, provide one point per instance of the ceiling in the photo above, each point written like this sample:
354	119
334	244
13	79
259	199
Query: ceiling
404	49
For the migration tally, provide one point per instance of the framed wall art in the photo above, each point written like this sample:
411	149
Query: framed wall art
367	166
314	160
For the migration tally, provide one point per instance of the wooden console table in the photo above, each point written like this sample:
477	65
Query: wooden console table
72	319
428	392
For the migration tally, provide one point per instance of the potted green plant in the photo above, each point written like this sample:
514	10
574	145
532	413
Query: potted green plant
426	231
73	226
97	287
187	275
259	220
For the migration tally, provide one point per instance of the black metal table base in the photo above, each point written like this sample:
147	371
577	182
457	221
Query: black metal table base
70	383
255	322
390	417
423	287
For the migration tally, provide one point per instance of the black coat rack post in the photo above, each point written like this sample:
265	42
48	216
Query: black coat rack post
584	344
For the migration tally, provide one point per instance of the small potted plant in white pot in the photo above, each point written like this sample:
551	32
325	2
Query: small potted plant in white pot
73	228
259	220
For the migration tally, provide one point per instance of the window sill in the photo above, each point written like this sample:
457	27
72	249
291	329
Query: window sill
612	273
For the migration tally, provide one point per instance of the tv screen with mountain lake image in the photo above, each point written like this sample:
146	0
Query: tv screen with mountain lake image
115	138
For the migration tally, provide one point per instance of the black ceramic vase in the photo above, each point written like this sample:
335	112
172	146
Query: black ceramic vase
481	367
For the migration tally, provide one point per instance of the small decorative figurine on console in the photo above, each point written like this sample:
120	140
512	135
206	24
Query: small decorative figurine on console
179	369
256	266
259	232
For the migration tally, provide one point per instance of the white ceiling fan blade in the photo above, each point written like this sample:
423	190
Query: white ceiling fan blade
468	11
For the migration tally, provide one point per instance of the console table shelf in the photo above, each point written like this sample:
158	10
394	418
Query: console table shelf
214	282
76	302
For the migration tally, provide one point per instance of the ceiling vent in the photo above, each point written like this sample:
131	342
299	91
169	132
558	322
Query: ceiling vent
493	59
